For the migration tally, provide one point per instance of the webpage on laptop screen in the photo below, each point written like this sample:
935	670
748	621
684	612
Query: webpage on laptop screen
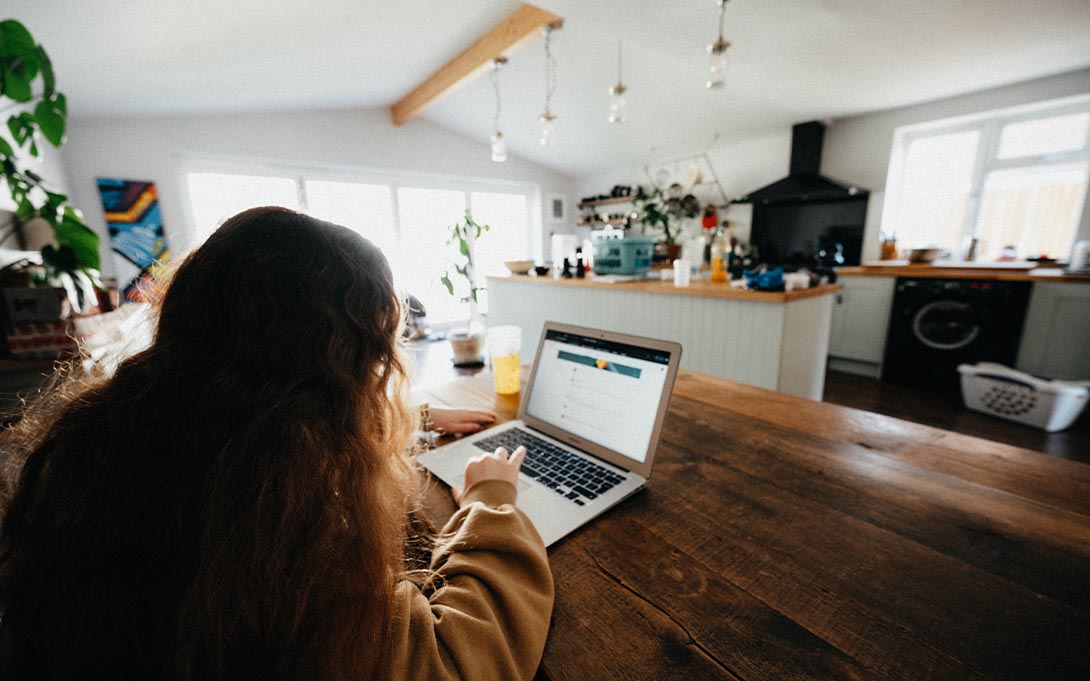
601	391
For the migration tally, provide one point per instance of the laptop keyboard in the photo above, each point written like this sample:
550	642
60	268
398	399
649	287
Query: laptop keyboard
570	476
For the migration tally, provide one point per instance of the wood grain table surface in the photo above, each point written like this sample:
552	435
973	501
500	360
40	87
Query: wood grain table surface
780	538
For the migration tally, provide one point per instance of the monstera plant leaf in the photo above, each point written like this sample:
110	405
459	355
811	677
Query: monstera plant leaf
71	232
51	114
38	111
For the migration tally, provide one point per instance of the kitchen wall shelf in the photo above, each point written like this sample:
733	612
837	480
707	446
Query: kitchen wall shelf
592	223
606	202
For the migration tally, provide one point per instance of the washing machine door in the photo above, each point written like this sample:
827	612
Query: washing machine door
947	324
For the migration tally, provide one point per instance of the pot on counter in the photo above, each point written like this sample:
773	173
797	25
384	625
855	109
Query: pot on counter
923	256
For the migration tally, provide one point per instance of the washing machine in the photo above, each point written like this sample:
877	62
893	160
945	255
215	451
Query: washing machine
937	324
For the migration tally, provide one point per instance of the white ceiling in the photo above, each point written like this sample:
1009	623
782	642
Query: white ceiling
793	60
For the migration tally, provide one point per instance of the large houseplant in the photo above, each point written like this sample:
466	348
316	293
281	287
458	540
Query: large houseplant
655	214
460	280
665	214
35	110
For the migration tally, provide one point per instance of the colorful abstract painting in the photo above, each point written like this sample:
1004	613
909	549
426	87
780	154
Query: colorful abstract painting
136	232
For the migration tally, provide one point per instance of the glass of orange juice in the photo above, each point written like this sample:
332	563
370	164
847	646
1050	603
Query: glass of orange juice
504	343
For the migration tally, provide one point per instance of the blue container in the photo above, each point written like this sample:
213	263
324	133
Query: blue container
630	255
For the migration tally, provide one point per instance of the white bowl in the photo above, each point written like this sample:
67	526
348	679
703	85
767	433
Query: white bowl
518	266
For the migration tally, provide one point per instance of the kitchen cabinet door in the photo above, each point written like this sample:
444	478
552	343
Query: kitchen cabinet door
1056	337
861	318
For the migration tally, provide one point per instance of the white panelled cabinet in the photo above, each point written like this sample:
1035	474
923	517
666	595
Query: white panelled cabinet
1056	337
860	322
746	337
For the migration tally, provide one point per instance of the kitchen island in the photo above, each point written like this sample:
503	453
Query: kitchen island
771	340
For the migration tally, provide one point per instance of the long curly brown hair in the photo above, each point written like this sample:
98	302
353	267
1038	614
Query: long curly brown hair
232	502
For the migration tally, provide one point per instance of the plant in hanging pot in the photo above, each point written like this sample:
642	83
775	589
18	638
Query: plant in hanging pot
460	280
36	110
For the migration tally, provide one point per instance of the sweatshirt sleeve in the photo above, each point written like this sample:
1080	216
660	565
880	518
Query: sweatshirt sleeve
489	616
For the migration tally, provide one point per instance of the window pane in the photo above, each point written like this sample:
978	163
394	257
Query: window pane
365	208
508	218
423	254
1044	136
935	188
215	197
509	221
1036	209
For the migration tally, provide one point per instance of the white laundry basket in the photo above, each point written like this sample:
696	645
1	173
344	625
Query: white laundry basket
1015	395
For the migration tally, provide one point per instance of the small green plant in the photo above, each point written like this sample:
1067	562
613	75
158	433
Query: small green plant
655	214
28	90
463	269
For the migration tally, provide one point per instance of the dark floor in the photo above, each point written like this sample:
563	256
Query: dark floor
433	365
948	412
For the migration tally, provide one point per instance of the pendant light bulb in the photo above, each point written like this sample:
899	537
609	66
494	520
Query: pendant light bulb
499	147
548	131
717	65
546	119
717	55
618	108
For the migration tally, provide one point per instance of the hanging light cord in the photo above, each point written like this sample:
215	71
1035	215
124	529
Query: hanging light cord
620	61
722	11
550	70
495	77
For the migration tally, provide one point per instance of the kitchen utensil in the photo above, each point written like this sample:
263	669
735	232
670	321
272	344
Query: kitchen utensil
690	206
968	252
1079	262
889	249
518	266
923	256
563	246
682	273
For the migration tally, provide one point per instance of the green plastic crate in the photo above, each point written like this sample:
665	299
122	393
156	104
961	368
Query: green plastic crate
630	255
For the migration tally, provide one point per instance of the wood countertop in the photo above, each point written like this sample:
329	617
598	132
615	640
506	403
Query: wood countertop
699	288
782	538
901	268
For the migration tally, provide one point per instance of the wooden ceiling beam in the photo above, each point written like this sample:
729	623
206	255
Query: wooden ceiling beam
503	40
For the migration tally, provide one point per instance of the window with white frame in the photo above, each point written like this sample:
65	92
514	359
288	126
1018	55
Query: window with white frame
1014	179
407	217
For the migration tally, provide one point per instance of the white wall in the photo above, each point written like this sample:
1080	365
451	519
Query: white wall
153	148
857	150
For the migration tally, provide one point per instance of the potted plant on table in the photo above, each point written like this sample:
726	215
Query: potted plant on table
462	275
36	110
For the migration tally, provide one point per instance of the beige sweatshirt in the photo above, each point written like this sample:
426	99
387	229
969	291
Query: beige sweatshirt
489	618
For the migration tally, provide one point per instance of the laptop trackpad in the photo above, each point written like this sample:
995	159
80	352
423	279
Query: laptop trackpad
460	479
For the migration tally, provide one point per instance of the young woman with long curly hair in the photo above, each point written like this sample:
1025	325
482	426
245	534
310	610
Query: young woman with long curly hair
234	502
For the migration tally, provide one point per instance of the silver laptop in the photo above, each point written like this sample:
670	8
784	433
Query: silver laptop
590	418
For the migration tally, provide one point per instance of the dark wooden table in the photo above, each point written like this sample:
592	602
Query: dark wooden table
780	538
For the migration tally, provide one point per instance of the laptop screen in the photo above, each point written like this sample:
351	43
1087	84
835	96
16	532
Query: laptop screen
602	391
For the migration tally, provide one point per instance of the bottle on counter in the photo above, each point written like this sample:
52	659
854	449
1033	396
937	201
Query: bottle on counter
580	266
720	247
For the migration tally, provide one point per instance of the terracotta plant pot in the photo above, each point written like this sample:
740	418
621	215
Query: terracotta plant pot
467	348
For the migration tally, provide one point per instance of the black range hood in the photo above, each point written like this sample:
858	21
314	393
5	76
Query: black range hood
804	183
